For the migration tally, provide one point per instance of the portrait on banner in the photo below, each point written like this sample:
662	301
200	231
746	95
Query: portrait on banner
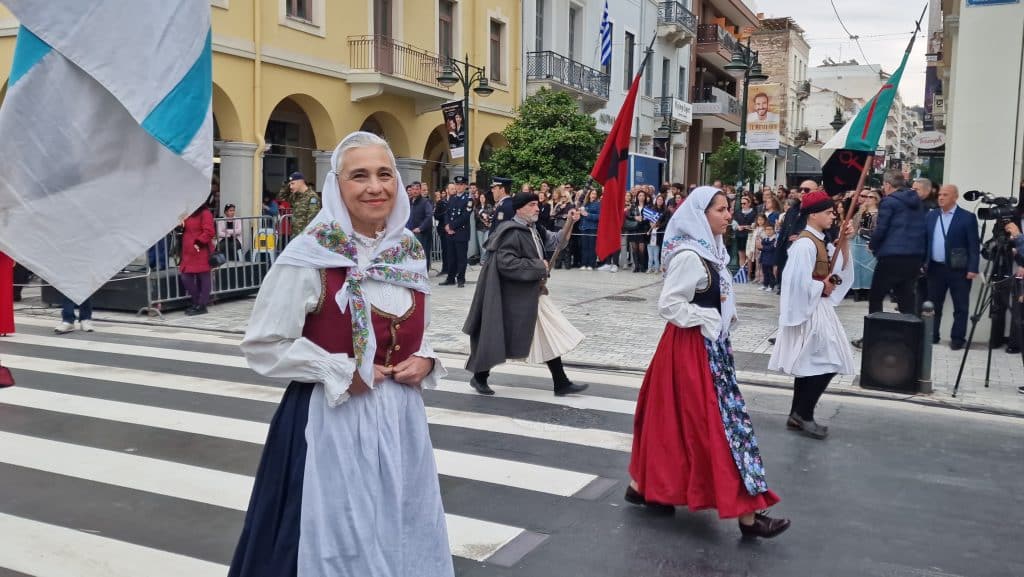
763	106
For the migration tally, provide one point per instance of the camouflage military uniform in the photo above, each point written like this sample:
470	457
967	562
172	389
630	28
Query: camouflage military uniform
305	205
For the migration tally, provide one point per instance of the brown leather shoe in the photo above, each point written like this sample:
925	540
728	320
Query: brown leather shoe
764	527
807	428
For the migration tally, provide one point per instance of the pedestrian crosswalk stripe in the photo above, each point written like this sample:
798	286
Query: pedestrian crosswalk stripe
141	330
453	464
632	381
131	350
46	550
590	437
579	402
472	538
541	396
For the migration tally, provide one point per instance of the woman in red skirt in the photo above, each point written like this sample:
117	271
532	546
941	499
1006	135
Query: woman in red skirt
693	442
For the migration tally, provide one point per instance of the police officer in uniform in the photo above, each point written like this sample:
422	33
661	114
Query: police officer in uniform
460	211
503	211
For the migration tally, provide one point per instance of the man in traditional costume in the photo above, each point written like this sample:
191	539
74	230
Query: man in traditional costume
347	485
812	344
693	441
512	316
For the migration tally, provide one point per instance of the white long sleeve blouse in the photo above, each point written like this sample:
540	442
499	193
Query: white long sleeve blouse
686	275
274	346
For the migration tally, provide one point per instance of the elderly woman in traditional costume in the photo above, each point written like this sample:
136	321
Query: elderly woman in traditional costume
347	485
693	442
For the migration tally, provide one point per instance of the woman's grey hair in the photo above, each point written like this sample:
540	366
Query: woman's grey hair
360	140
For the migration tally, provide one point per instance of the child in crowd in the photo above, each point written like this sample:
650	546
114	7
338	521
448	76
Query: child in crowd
754	247
768	244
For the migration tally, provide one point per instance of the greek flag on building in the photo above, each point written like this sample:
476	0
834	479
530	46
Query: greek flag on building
606	38
108	133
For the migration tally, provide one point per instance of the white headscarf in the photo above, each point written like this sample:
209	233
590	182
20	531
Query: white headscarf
327	243
689	230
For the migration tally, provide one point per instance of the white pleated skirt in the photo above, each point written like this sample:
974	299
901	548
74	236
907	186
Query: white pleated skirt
554	335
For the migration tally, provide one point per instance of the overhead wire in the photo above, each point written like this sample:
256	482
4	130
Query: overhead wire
854	37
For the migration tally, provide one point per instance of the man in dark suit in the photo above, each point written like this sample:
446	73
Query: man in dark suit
460	211
421	217
951	261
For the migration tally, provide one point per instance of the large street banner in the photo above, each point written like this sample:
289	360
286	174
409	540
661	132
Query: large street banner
455	128
108	133
764	103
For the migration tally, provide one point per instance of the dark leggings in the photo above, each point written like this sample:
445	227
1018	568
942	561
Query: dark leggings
806	392
554	365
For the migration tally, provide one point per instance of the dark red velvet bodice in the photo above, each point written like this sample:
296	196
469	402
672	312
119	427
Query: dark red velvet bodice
397	337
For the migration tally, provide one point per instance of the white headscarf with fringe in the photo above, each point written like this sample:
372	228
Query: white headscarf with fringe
327	243
689	230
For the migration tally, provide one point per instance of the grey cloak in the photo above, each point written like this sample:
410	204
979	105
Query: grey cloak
503	315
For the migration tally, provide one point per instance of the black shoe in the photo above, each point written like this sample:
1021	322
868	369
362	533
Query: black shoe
936	339
807	428
857	344
764	527
200	310
633	496
1020	390
957	345
771	340
461	284
569	389
448	282
481	388
1012	350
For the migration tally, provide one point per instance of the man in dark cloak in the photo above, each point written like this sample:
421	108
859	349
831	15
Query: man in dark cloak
503	316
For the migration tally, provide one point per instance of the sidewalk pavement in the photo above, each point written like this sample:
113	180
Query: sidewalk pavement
618	313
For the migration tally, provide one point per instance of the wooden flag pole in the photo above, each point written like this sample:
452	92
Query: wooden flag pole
842	244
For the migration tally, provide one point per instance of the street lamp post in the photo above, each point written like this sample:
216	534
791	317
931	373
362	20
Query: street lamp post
745	61
461	71
670	128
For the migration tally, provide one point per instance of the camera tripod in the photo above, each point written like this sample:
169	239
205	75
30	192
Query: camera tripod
1002	257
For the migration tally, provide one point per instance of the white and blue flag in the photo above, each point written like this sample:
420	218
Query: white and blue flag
107	133
606	38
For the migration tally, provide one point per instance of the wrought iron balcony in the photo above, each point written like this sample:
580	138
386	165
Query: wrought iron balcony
557	72
676	24
382	64
715	44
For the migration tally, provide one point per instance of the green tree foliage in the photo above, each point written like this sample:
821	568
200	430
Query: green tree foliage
550	139
724	163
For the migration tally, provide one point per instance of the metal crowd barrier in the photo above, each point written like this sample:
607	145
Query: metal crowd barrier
250	245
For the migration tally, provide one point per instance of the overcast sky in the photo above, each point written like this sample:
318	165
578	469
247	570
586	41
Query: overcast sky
884	27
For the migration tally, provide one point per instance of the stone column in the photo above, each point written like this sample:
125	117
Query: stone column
322	158
236	186
411	169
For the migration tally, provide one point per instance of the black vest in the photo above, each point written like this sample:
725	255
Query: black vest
711	297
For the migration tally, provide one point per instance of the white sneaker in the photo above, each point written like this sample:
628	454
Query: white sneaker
604	267
87	326
64	328
613	268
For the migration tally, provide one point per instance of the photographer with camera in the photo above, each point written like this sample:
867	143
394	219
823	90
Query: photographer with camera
952	261
1009	299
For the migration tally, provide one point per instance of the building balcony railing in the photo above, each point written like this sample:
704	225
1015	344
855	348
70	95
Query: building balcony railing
394	58
709	100
557	72
803	89
382	64
716	44
676	24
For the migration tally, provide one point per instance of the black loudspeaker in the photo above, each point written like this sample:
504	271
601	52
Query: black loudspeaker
893	352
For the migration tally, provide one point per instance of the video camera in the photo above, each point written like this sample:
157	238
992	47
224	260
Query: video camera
1000	208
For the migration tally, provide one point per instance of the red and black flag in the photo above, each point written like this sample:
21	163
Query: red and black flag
611	170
